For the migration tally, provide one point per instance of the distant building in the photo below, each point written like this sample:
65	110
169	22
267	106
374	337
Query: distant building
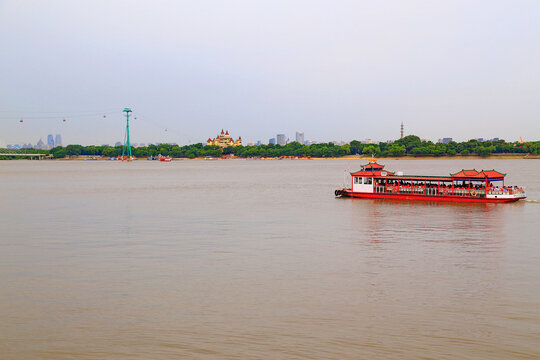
401	130
479	139
281	139
224	139
40	145
444	140
251	143
118	143
272	141
367	141
495	139
58	140
300	137
258	142
50	141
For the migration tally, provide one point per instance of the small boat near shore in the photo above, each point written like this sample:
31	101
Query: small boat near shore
372	181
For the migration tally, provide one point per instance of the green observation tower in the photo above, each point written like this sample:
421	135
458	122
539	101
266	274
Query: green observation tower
126	149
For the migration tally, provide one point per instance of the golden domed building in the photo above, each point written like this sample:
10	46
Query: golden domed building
224	139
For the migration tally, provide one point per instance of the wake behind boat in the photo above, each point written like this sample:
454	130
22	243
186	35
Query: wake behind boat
372	181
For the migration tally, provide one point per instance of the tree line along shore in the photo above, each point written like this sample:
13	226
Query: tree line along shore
409	146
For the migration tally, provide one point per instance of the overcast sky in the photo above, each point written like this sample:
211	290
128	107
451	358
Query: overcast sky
337	70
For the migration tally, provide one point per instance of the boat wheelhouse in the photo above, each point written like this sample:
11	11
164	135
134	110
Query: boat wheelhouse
373	181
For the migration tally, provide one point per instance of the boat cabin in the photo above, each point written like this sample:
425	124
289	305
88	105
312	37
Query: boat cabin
363	179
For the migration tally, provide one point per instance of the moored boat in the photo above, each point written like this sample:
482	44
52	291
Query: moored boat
372	181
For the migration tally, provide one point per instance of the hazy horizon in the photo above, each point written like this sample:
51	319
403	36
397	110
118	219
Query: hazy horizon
346	70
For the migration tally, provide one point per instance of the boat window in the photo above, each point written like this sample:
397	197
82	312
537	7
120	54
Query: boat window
356	180
368	180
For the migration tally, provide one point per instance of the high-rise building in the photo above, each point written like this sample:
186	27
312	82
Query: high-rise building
281	139
258	143
272	141
402	130
58	140
50	141
300	137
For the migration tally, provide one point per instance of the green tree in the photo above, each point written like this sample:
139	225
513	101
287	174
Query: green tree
74	150
410	142
356	147
396	150
59	152
371	150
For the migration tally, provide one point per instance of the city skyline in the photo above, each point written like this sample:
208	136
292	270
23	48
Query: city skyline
460	69
279	139
52	141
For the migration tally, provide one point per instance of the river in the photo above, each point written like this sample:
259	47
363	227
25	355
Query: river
258	260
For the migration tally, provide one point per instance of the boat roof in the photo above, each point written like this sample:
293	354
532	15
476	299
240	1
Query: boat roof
483	174
372	169
372	165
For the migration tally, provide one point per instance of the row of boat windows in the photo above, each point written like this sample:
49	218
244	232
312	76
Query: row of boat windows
363	180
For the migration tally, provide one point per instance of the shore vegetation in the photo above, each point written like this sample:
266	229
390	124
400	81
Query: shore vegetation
410	145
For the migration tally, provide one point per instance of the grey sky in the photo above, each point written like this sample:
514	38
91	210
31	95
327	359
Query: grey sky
333	69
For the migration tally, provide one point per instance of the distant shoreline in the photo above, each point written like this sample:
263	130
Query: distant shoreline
346	157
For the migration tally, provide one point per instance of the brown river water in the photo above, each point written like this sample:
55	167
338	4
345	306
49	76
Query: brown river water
259	260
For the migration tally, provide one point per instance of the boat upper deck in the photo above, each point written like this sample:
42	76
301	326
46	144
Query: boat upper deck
376	170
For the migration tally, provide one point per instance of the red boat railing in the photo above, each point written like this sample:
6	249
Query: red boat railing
430	191
434	191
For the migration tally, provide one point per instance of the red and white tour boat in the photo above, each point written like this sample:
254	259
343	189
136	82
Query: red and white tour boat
372	181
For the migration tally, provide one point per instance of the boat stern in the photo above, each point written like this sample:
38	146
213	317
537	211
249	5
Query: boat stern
508	195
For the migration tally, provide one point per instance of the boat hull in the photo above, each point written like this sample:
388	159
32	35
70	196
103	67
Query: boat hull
349	193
